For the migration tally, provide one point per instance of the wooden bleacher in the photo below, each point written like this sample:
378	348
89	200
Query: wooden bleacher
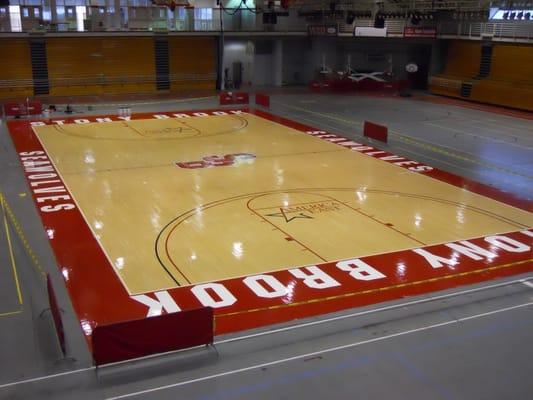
509	83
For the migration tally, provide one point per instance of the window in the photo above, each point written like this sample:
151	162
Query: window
140	3
25	12
47	14
36	12
80	17
203	19
74	2
181	13
60	12
14	17
203	14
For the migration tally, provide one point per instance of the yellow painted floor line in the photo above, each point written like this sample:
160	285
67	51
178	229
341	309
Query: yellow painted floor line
380	289
8	314
20	233
12	256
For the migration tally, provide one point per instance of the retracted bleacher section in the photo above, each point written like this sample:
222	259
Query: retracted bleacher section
510	81
462	62
16	80
502	76
67	66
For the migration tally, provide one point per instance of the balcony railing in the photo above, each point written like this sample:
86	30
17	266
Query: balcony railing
500	30
214	20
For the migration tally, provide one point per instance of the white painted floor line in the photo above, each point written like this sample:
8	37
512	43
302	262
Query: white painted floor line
316	353
527	283
484	137
523	127
496	127
379	309
45	377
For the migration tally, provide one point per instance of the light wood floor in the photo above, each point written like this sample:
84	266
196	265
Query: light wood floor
300	201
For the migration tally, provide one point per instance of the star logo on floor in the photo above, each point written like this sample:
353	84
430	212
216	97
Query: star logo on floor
287	218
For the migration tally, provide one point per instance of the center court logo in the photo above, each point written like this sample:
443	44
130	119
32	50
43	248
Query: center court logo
218	161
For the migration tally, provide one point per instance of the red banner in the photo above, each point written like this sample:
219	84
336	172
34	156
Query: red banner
411	31
322	30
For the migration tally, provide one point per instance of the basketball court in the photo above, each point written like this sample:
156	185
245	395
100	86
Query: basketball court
265	200
262	218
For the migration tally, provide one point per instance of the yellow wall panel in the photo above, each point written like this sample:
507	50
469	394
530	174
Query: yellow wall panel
445	91
503	94
463	58
15	68
101	65
512	62
128	56
192	56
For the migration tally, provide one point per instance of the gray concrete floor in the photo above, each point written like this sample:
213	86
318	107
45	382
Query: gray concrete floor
474	345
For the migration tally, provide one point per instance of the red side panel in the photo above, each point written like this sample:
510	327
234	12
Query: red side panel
375	131
158	334
56	314
241	98
262	100
30	107
226	98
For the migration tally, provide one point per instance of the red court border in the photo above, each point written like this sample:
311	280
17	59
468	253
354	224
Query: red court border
241	303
